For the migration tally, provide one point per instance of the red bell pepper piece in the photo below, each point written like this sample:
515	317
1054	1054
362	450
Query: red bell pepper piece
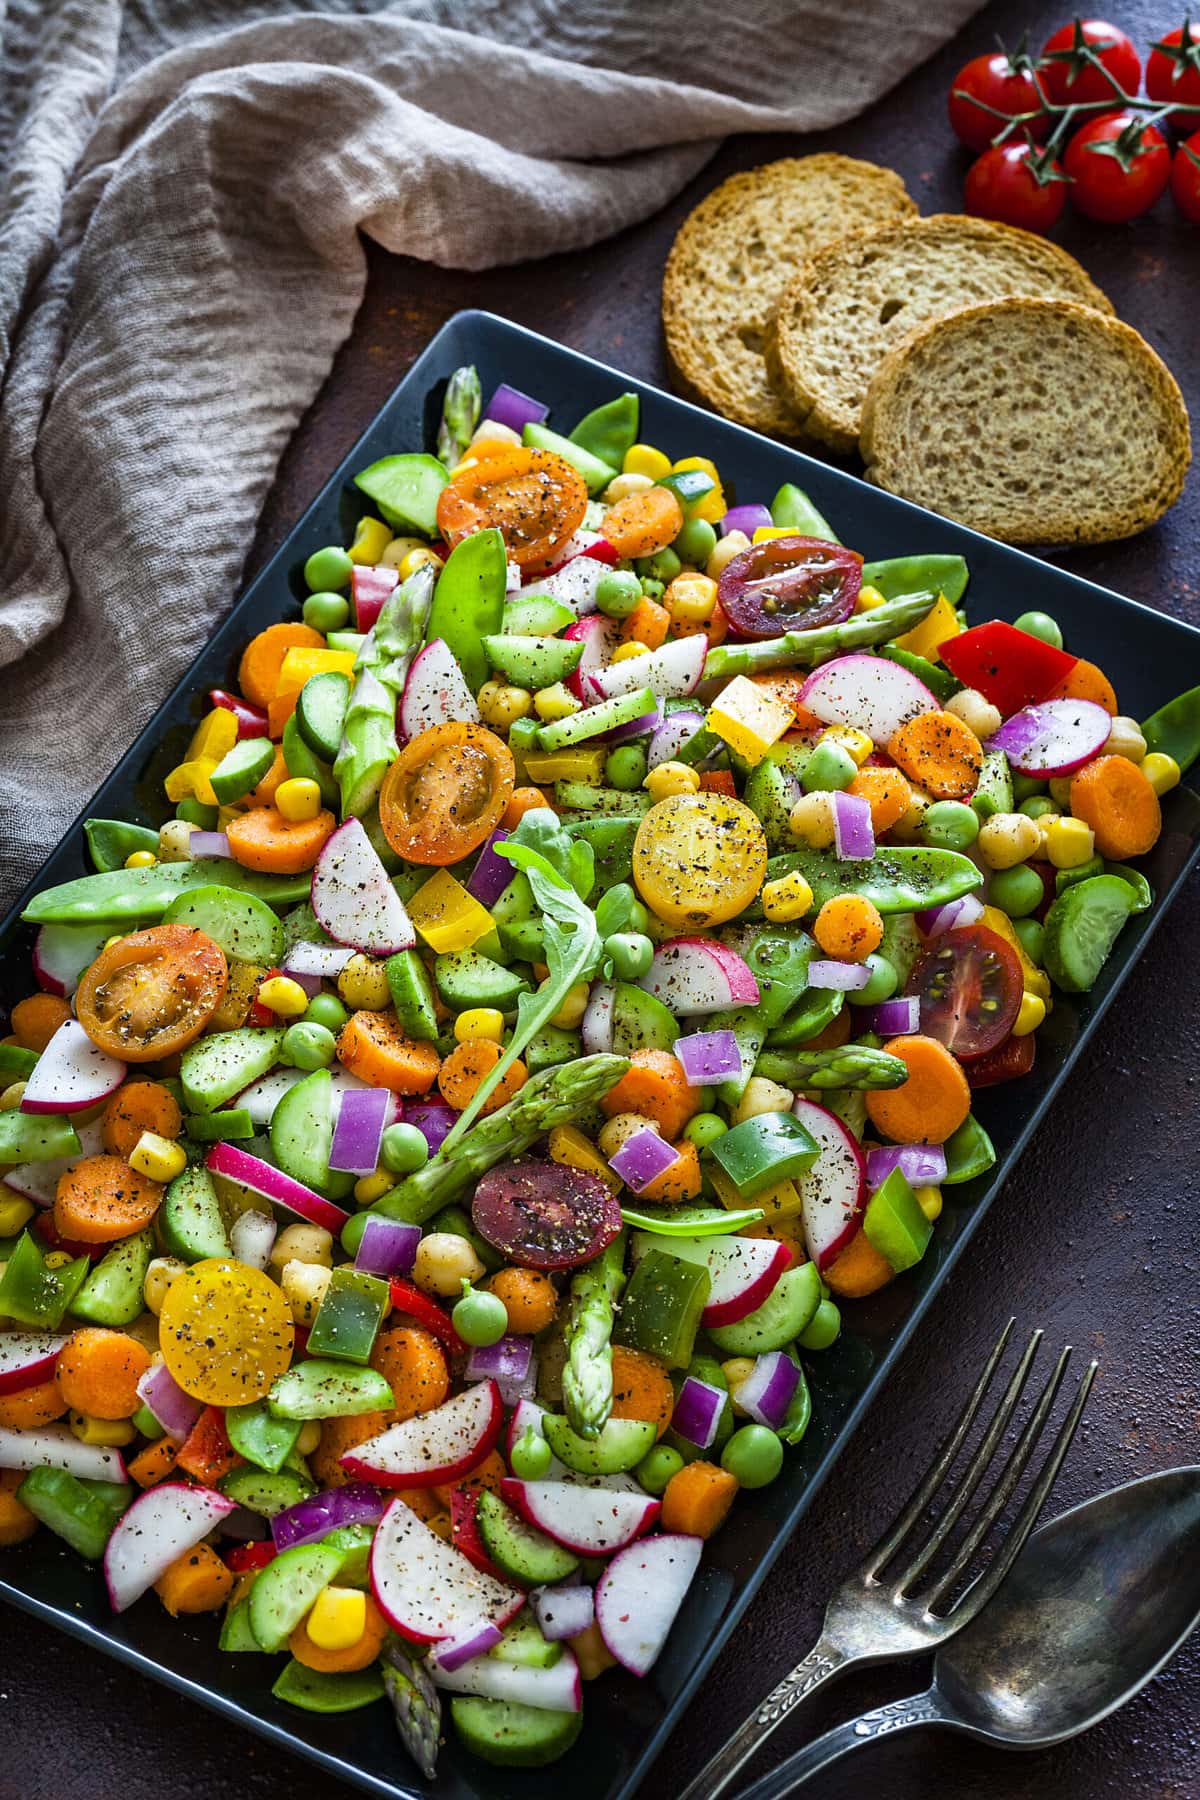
1012	1058
409	1299
464	1530
53	1239
251	720
258	1013
1010	668
241	1557
206	1452
369	588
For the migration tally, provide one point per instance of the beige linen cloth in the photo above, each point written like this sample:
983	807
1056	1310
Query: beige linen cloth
183	184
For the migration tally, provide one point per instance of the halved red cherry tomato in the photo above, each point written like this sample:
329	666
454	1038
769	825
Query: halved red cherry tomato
545	1216
1010	668
152	993
789	584
1007	1062
969	984
534	498
446	792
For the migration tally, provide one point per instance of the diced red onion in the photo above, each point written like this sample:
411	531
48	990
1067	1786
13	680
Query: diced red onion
670	737
750	518
317	959
708	1056
432	1118
853	833
642	1158
636	728
509	1363
563	1612
358	1133
895	1018
175	1411
310	983
388	1247
509	406
209	843
934	920
698	1411
841	977
472	1641
596	1026
767	1391
492	873
252	721
353	1504
923	1165
252	1237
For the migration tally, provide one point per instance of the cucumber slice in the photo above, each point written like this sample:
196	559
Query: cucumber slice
344	640
190	1218
286	1588
1142	891
597	474
316	1389
511	1736
524	1647
465	979
405	490
241	769
593	721
245	928
520	1550
112	1293
552	1046
994	789
304	766
773	789
620	1445
255	1433
237	1634
320	713
532	662
539	616
217	1067
353	1545
783	1315
1081	928
266	1491
412	995
36	1137
302	1136
314	1691
640	1021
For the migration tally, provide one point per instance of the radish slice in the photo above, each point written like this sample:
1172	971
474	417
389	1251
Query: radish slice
563	1612
596	1027
600	638
556	1689
54	1447
62	952
252	1237
317	959
27	1357
160	1526
834	1190
434	1448
1055	737
697	975
262	1096
71	1073
353	899
673	671
265	1179
435	693
743	1270
593	1521
574	583
425	1588
868	691
639	1595
38	1181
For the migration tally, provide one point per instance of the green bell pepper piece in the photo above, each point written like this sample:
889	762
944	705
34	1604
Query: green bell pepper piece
228	1127
1065	878
36	1137
1174	730
16	1064
895	1224
897	575
895	879
110	841
468	602
82	1513
610	431
33	1294
349	1316
969	1152
142	896
792	508
763	1151
112	1293
662	1306
689	486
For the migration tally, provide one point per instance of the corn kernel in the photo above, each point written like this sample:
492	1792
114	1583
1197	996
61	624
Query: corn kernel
1007	839
572	1007
625	652
338	1618
162	1271
371	539
298	798
501	706
854	742
671	778
157	1157
310	1437
623	487
174	841
1125	739
304	1286
56	1259
12	1096
1069	843
939	625
1030	1014
571	1150
416	559
369	1188
929	1199
724	551
788	898
644	459
761	1096
764	533
977	714
1161	771
285	997
15	1212
868	598
714	506
398	549
811	820
691	598
112	1433
303	1243
140	859
551	703
479	1022
618	1130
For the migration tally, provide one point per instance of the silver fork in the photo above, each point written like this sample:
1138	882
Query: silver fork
872	1621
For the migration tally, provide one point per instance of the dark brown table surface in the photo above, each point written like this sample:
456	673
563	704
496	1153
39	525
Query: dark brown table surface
1095	1238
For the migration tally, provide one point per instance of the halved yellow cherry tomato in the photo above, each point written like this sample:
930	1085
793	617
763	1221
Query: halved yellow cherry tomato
699	859
152	993
536	500
445	793
225	1332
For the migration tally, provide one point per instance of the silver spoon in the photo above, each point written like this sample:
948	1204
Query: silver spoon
1096	1603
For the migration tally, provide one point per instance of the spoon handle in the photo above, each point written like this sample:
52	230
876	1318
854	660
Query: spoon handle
794	1771
822	1663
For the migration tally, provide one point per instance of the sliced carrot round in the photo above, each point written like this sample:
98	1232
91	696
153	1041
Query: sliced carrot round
264	839
411	1361
468	1065
1087	682
534	498
641	1388
939	753
643	524
342	1662
886	792
1113	796
101	1199
98	1372
32	1407
931	1104
139	1106
36	1019
262	659
373	1046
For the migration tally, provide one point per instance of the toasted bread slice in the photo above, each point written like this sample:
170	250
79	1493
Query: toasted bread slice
1036	421
733	257
855	299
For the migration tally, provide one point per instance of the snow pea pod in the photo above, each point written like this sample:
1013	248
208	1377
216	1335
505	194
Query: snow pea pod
110	841
125	895
778	957
897	575
792	508
690	1221
1174	730
610	431
940	682
897	879
969	1152
818	1008
468	602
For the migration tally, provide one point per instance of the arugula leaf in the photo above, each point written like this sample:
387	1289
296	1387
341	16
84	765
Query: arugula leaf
573	952
570	858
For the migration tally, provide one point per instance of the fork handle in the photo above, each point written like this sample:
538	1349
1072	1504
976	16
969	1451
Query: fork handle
901	1715
823	1662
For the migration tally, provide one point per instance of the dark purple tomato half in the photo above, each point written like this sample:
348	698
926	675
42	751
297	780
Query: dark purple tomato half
789	584
544	1215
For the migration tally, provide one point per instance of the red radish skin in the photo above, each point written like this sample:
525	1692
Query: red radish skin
265	1179
585	543
465	1535
434	1448
639	1595
743	1270
600	638
869	692
592	1521
436	693
672	672
834	1190
573	582
71	1073
26	1358
426	1589
353	898
369	588
161	1525
692	976
556	1689
1055	737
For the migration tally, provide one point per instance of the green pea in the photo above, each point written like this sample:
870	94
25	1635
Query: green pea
703	1129
625	768
950	825
1017	891
196	813
328	570
326	612
480	1318
1032	936
652	589
531	1456
754	1455
308	1046
823	1328
631	953
1026	786
695	543
1038	806
404	1150
829	768
657	1467
1041	625
326	1010
143	1420
882	984
617	593
664	566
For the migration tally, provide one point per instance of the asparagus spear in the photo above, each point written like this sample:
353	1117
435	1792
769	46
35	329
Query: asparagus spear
807	648
369	734
551	1097
460	415
416	1704
852	1066
587	1377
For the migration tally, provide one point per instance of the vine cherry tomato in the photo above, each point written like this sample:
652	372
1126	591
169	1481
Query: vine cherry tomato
1018	185
152	993
969	985
990	89
1173	75
1118	167
1185	178
536	499
1082	61
445	793
789	584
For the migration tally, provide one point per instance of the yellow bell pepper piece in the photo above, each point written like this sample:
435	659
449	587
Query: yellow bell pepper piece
192	781
301	664
781	1202
215	735
566	765
572	1150
1036	980
748	719
939	625
765	533
447	917
371	539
